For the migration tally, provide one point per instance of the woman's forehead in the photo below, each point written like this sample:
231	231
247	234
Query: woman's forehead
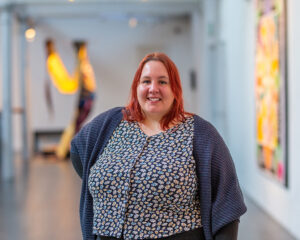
154	67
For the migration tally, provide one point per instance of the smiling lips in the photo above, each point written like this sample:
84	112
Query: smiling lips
152	99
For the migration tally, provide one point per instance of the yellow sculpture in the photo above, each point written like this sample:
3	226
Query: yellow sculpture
82	80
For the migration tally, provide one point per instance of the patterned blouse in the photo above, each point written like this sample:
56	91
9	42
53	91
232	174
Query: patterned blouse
145	186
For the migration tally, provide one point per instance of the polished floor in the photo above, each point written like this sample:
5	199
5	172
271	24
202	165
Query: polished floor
42	204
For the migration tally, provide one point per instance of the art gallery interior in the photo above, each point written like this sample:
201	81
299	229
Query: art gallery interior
214	45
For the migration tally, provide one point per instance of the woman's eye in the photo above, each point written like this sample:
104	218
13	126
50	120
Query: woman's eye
163	82
146	81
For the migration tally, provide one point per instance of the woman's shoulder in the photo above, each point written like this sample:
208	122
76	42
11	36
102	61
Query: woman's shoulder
203	125
205	132
107	119
109	113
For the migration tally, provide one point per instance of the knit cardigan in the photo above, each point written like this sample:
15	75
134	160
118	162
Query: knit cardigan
221	199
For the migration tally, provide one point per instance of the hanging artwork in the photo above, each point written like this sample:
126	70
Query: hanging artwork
271	88
82	80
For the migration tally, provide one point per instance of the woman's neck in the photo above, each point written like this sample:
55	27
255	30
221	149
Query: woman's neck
150	127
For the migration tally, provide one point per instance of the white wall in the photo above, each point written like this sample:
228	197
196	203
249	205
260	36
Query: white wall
238	33
199	42
115	51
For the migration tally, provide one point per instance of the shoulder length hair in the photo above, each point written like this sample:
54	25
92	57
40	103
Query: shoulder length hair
133	111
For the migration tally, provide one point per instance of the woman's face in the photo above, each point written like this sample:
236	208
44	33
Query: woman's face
154	90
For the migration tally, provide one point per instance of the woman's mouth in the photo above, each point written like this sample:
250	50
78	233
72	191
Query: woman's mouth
152	99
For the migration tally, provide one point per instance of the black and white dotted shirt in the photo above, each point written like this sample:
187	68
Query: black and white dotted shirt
145	187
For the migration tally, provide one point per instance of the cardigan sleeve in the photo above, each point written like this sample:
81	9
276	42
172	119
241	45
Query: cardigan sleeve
75	158
77	144
226	195
78	148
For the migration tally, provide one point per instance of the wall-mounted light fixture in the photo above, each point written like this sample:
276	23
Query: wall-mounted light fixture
30	32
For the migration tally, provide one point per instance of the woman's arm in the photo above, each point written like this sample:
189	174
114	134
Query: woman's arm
228	232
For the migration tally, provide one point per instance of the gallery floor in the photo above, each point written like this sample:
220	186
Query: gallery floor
42	204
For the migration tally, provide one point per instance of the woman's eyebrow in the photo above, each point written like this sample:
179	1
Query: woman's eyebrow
163	77
160	77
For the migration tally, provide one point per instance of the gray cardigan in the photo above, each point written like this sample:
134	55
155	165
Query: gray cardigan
221	199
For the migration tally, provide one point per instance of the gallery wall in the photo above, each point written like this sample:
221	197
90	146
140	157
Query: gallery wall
238	33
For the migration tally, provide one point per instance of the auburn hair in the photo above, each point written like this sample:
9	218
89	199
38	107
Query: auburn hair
133	111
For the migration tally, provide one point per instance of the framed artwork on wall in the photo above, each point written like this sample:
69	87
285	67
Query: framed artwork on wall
271	88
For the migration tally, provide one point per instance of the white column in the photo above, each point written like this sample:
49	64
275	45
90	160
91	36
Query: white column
23	54
7	168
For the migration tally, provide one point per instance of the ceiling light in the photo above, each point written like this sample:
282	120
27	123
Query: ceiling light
132	22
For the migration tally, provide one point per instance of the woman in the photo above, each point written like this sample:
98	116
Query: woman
153	171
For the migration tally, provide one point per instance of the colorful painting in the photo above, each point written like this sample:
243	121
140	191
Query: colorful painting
271	88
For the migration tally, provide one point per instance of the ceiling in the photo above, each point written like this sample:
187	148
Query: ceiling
113	10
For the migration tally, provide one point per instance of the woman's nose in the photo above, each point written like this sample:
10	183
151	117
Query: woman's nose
153	87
